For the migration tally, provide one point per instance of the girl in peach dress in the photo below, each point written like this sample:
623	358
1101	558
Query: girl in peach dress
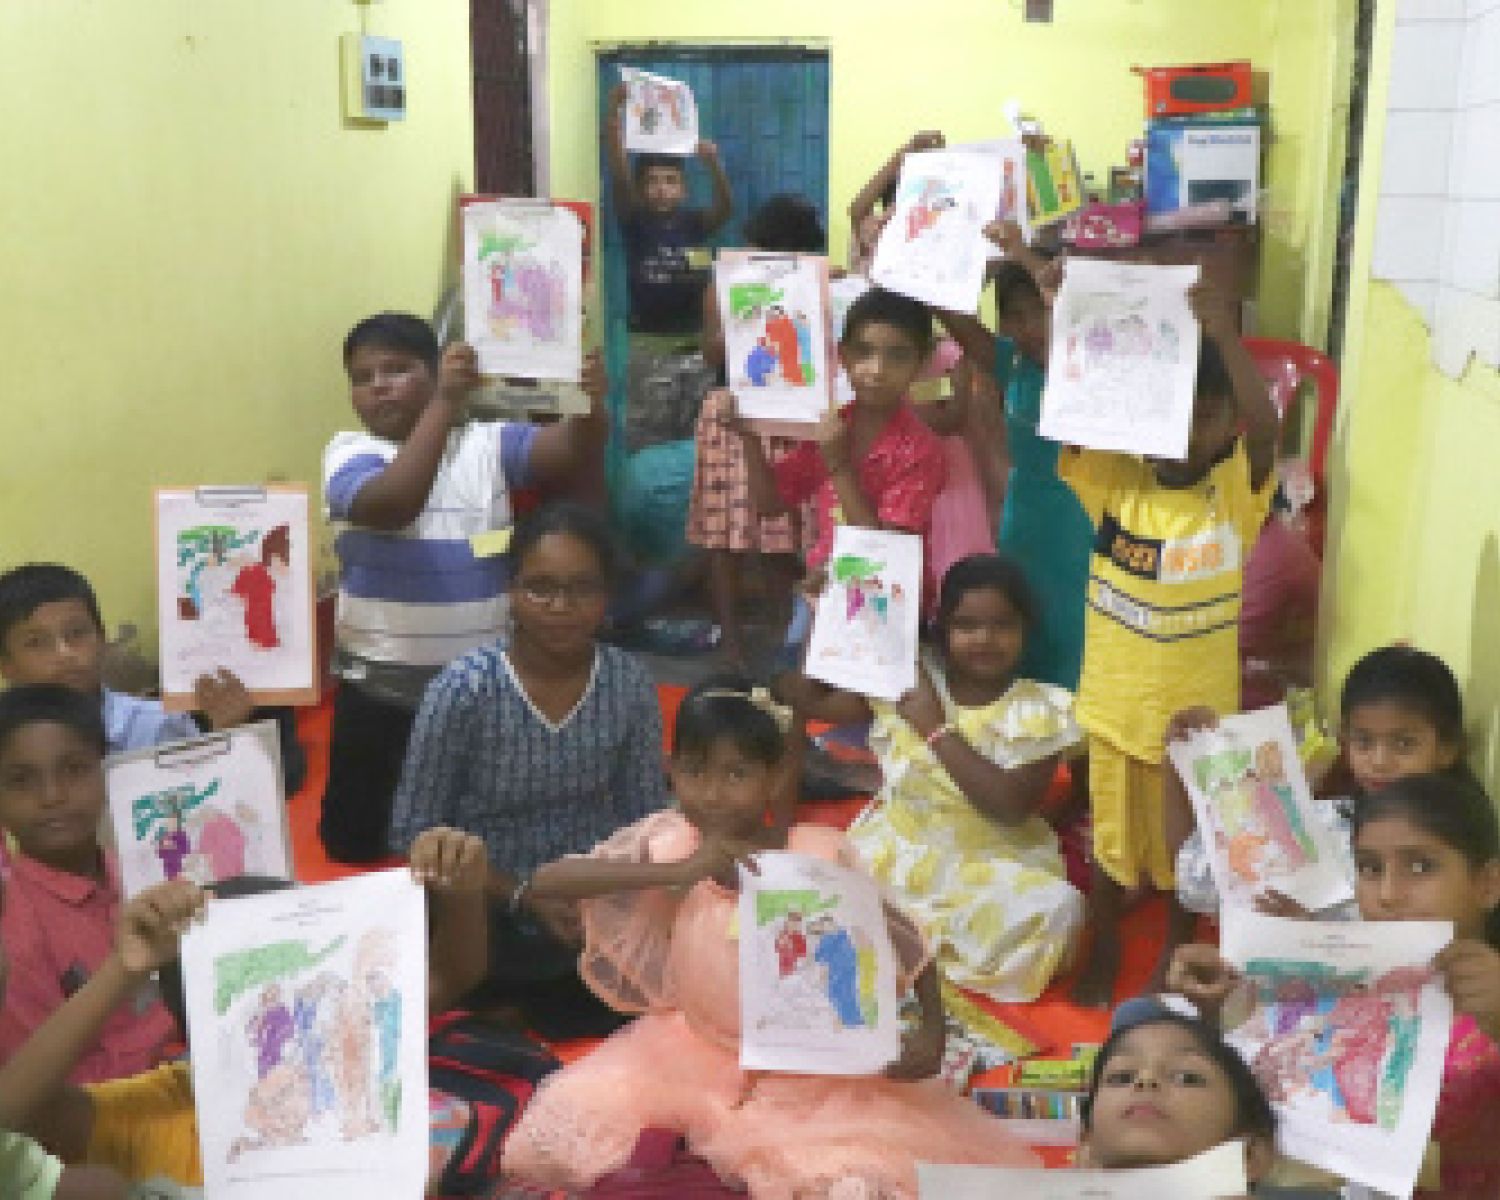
659	911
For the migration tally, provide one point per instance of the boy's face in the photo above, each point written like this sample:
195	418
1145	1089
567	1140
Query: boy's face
1214	427
1024	321
52	794
882	363
663	188
389	389
58	643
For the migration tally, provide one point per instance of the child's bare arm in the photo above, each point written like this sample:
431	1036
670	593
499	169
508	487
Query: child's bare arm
614	143
1215	312
395	498
451	865
34	1098
723	204
580	878
868	196
561	449
223	698
922	1048
821	702
832	436
1177	809
977	342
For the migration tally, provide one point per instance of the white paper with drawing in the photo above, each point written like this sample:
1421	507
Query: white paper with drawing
1124	359
864	635
234	590
817	970
1215	1173
774	309
1012	207
1253	807
207	809
523	288
933	248
661	116
842	293
307	1011
1347	1035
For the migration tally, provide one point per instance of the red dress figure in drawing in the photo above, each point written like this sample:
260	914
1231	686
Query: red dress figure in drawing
791	944
1362	1022
222	842
352	1048
256	586
1272	803
782	334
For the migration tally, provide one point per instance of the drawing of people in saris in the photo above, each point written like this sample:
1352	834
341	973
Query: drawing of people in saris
371	1002
781	333
1167	342
269	1029
173	847
791	944
760	363
837	954
220	842
933	198
1133	337
1277	807
312	1000
804	346
276	1112
256	586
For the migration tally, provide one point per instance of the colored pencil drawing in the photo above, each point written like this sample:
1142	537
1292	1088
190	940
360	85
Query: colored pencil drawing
865	625
1346	1028
306	1010
775	316
661	116
523	288
1125	358
933	247
1253	806
234	581
816	968
206	811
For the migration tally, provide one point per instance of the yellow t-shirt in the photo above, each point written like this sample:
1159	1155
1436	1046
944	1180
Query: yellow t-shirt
1162	622
145	1126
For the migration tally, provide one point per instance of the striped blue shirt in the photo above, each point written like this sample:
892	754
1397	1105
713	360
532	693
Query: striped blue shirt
482	758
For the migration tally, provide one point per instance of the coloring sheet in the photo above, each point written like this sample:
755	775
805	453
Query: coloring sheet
234	590
817	970
1253	808
776	349
523	288
1013	206
307	1011
207	809
1348	1034
933	248
661	116
1215	1173
1124	359
864	635
842	292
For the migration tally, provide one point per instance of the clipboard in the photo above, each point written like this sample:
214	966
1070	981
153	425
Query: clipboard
206	809
772	342
234	590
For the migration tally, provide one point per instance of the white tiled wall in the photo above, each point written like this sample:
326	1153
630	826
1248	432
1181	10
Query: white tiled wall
1438	220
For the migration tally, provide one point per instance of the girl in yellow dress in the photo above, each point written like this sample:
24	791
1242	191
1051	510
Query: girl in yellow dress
967	756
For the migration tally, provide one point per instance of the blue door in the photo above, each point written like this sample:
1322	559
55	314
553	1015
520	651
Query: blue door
767	110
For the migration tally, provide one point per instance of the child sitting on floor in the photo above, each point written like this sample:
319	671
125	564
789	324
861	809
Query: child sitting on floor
146	1126
659	900
63	892
405	495
966	758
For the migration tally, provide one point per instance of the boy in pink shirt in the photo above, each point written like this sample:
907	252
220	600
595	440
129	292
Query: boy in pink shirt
62	896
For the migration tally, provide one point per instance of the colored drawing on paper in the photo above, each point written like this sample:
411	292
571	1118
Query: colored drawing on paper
1124	358
775	317
523	288
1253	806
661	116
1346	1032
306	1021
817	976
865	625
229	580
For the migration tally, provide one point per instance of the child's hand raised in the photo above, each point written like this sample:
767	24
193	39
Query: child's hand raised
458	373
1007	236
718	857
1279	904
1049	279
449	860
1471	972
153	923
1213	309
223	698
1200	973
1189	721
708	152
921	1052
922	707
594	381
927	139
832	436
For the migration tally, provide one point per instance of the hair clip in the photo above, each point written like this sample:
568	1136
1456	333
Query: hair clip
760	698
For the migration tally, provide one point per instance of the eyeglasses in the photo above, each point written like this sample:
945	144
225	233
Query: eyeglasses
551	592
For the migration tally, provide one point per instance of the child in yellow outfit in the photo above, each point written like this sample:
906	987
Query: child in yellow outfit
1162	617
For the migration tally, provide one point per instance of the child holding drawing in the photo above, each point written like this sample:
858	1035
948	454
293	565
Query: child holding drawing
405	495
966	758
658	903
875	463
1161	630
1426	848
146	1126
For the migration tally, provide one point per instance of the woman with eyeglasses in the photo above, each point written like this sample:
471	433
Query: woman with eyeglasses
543	744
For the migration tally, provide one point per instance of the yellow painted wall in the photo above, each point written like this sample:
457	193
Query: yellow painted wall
952	64
187	230
1414	533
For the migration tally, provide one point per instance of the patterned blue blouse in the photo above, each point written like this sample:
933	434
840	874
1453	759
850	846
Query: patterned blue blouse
482	758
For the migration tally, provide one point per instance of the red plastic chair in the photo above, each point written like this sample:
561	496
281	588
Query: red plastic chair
1286	366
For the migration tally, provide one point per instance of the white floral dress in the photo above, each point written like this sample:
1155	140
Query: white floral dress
993	900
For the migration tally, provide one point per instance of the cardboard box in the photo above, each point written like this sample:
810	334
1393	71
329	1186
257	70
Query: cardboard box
1190	163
